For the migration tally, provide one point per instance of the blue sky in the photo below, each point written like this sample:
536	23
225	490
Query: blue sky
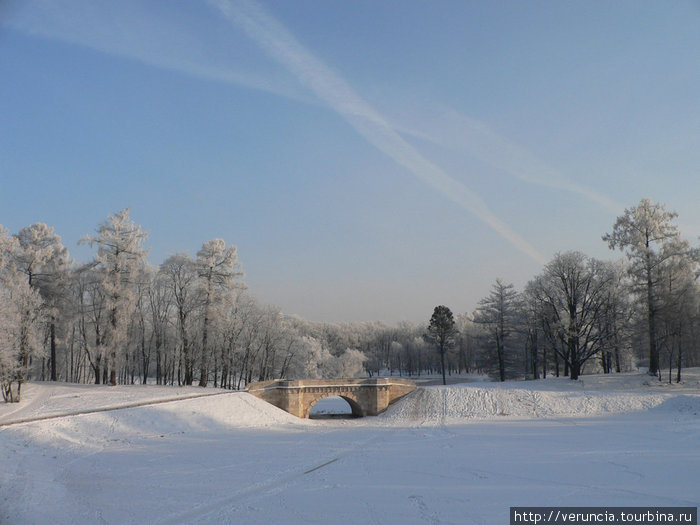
369	159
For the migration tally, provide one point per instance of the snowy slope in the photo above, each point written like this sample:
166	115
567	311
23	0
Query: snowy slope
46	399
553	397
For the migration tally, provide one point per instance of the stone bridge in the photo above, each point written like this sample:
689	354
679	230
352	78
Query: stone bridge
366	397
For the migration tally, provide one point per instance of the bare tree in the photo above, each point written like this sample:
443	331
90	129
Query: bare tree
180	278
160	302
571	294
616	319
678	305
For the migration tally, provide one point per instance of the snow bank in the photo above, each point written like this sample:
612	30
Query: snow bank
554	397
186	416
454	404
47	399
684	404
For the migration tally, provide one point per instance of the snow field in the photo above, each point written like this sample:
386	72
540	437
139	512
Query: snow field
461	454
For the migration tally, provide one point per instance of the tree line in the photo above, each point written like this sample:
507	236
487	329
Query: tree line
190	320
580	312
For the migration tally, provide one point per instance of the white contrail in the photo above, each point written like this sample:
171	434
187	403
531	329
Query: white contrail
328	86
459	132
121	29
111	28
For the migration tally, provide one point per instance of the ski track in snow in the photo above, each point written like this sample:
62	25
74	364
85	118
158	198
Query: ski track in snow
213	509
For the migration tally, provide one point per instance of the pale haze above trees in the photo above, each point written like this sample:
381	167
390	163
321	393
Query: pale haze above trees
118	319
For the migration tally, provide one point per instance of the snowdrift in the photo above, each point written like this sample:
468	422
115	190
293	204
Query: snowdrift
193	416
440	405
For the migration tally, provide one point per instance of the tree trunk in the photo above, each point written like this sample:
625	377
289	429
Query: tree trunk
98	372
442	361
678	362
501	362
534	353
185	360
575	370
72	348
651	319
203	372
159	370
544	362
53	351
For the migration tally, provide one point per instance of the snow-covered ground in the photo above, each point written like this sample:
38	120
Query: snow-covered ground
458	454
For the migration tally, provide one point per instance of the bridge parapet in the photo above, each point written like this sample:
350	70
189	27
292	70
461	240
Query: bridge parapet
366	397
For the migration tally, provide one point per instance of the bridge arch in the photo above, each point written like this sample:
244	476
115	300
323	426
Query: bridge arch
352	403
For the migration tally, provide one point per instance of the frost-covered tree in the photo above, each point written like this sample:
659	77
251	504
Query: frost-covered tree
307	361
9	318
648	236
348	364
217	268
20	309
8	245
20	340
9	362
120	256
43	259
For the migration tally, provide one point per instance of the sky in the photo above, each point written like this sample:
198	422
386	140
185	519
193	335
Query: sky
370	160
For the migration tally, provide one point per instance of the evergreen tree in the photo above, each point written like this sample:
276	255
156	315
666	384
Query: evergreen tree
441	331
498	315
